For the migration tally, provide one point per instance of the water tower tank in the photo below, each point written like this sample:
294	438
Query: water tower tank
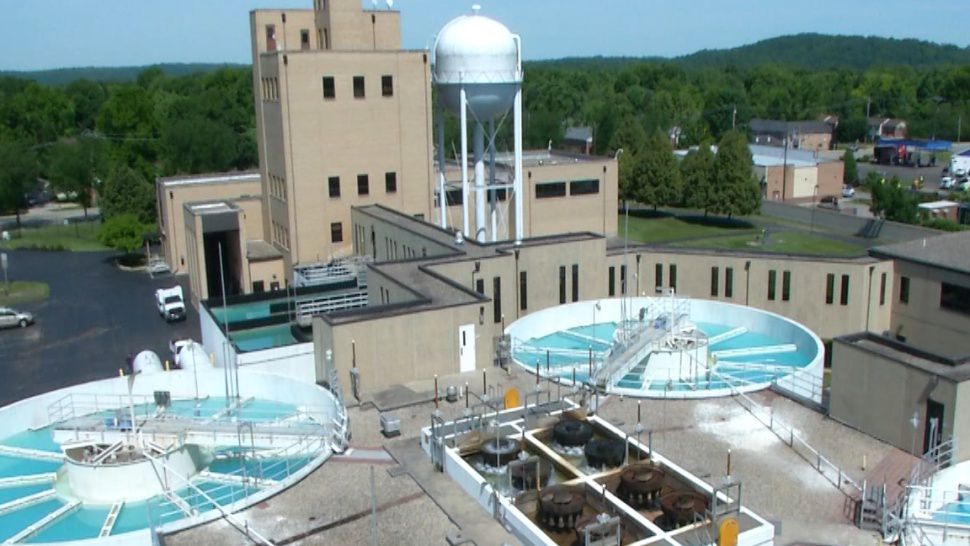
146	362
481	54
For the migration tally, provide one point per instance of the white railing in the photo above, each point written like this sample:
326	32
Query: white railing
329	304
77	405
939	512
761	350
823	465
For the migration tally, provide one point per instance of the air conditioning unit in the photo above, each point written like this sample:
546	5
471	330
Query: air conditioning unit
390	425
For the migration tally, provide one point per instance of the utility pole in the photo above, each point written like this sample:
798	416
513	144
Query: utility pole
959	122
784	164
734	117
868	104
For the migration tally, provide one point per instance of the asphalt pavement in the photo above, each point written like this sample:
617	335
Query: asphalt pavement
96	315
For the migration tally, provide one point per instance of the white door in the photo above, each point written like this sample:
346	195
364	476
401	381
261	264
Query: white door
466	348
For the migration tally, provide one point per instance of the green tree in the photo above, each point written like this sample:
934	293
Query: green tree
632	139
124	232
18	175
198	145
890	200
127	192
72	169
736	191
850	175
657	173
697	171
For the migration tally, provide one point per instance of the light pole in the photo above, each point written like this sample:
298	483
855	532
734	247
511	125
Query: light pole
814	206
596	307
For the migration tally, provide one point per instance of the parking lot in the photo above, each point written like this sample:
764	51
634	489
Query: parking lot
96	315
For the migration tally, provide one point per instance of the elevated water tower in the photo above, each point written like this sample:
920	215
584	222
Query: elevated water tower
478	74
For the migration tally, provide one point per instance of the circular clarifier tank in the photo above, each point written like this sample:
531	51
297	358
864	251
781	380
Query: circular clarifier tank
99	462
671	347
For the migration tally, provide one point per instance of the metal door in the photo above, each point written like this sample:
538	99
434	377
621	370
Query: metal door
466	348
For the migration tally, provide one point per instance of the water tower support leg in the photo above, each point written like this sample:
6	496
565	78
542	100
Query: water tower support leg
479	144
519	194
463	107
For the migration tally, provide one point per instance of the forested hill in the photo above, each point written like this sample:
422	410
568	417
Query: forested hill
820	51
64	76
799	51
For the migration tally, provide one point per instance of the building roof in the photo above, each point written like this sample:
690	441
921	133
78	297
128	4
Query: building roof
261	251
210	178
789	127
952	368
948	251
889	123
937	205
579	134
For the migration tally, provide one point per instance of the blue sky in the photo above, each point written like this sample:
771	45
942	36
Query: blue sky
42	34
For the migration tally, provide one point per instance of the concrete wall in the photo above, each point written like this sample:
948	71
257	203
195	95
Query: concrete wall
806	305
395	349
173	193
879	396
267	271
921	321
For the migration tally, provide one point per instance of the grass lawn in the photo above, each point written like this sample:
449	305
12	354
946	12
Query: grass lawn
23	292
787	242
75	237
664	228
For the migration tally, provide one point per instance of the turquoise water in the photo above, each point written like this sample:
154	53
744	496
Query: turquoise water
8	494
710	329
743	368
12	522
86	520
745	340
955	512
245	311
39	439
19	466
259	339
82	522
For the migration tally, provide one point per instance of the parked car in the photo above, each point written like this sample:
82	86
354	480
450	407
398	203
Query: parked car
848	191
947	183
10	318
829	202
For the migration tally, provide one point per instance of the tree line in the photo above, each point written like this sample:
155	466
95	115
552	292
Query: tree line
116	138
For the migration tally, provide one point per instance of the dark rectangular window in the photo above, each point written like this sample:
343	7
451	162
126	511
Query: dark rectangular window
390	182
845	290
562	284
497	299
658	273
729	282
785	285
882	289
304	39
611	281
904	289
454	197
329	89
550	189
772	282
673	277
480	286
336	232
358	87
523	291
363	184
829	288
575	282
584	187
623	280
715	282
270	37
955	298
333	183
258	287
387	86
